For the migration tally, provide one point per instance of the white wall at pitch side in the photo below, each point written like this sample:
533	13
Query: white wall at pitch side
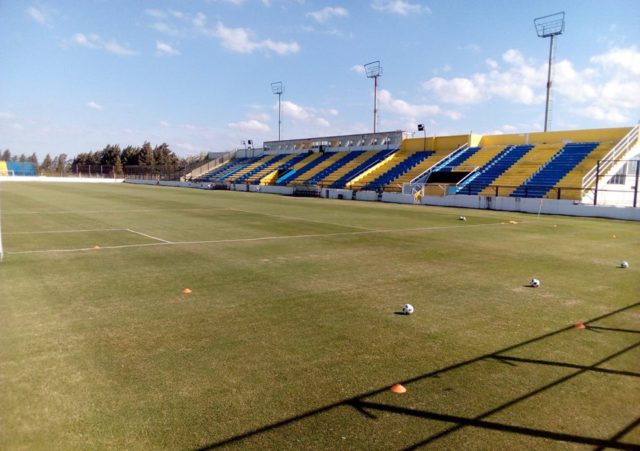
43	178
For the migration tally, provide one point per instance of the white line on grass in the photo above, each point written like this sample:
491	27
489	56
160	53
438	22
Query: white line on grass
265	238
149	236
148	210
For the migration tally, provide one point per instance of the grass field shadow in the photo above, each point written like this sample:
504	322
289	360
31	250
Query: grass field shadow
366	405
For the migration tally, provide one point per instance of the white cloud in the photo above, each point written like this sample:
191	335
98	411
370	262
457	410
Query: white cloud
115	47
601	114
95	106
324	14
94	41
164	27
162	48
155	13
308	116
241	40
294	110
401	7
358	69
164	123
249	126
608	90
4	115
199	20
513	56
627	60
409	111
39	16
456	90
515	84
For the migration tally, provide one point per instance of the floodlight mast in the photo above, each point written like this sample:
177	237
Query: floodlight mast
549	27
278	88
374	70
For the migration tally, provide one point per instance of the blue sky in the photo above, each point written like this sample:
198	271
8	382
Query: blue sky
77	75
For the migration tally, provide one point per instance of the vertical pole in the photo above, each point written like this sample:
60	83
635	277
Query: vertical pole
375	103
546	108
635	192
595	194
279	121
424	129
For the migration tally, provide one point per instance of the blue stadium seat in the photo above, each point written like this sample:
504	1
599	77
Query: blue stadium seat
259	168
375	159
300	171
545	178
447	165
399	169
335	166
494	168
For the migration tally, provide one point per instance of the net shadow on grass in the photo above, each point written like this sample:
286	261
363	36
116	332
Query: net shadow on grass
366	408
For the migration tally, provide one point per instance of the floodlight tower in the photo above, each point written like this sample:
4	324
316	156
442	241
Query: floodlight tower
374	70
278	88
549	27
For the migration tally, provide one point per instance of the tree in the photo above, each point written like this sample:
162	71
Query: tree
109	154
6	155
46	164
33	159
164	156
130	156
146	155
23	158
118	167
61	163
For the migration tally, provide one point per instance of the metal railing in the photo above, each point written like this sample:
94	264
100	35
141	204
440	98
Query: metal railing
613	155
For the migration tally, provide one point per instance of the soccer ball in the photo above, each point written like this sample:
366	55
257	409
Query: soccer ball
624	264
535	283
462	218
407	309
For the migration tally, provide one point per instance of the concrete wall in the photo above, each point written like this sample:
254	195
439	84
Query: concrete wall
544	206
59	179
592	135
200	185
438	143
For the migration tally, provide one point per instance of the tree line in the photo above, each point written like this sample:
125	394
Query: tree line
152	158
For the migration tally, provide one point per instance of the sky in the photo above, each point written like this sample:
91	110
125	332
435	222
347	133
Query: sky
78	75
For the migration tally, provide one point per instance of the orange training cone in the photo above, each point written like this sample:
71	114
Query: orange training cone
580	326
187	291
397	388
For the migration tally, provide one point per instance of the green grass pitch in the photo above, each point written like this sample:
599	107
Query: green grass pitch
291	339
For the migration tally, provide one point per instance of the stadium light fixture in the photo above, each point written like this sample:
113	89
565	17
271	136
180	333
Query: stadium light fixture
549	27
278	89
374	70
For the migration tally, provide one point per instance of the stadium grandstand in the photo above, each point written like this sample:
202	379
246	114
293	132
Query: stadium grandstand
16	168
565	165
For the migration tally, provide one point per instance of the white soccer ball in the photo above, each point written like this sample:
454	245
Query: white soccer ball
462	218
407	309
535	283
624	264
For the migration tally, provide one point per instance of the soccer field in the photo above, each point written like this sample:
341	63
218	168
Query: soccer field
291	337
